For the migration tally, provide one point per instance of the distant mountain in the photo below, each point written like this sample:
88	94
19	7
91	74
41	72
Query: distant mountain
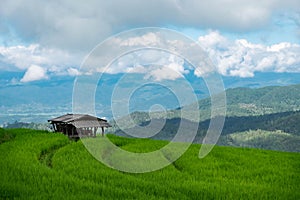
35	126
246	101
257	101
40	100
260	80
240	102
270	109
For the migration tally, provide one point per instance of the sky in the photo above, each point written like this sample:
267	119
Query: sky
45	39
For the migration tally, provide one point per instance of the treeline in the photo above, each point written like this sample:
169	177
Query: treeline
31	125
287	122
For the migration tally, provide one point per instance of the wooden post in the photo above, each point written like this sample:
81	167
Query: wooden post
73	131
95	131
54	127
66	130
102	128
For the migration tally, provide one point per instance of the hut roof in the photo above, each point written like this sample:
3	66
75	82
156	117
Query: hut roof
80	120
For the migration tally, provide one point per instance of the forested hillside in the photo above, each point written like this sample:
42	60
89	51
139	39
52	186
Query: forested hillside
269	109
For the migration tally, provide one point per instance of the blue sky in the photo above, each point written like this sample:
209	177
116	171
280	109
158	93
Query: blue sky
47	39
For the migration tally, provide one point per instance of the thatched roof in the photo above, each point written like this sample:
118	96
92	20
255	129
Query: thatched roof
80	120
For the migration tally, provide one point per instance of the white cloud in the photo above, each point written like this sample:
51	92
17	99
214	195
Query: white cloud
165	67
23	56
171	71
156	64
78	25
62	33
55	61
214	38
34	73
144	40
243	58
73	72
232	58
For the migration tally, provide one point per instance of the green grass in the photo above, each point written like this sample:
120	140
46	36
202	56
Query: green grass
42	165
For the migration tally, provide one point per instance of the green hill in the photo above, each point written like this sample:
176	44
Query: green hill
240	102
287	122
257	101
43	165
270	108
260	101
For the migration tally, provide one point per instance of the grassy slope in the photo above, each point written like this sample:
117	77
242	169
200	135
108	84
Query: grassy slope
36	164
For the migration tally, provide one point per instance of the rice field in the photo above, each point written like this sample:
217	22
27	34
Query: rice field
42	165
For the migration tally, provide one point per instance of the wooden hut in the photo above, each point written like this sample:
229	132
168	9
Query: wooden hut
78	125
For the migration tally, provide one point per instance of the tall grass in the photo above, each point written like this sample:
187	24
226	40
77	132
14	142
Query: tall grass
226	173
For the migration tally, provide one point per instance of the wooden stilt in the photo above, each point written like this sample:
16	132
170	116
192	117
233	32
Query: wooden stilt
102	128
95	131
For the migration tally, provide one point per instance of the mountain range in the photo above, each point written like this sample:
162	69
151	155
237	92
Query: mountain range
40	100
265	117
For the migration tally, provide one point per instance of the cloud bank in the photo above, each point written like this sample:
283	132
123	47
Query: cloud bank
243	58
231	57
239	57
54	61
80	25
56	35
